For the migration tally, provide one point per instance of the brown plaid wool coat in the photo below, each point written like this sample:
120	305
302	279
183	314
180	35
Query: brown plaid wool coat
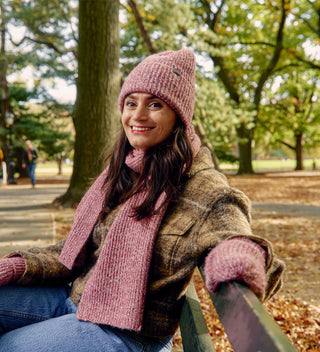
205	212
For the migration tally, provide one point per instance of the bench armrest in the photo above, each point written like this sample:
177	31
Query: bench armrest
247	324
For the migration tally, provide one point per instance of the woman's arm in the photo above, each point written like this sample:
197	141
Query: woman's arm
42	266
234	252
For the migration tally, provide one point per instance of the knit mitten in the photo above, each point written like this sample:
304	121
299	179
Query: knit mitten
237	259
11	269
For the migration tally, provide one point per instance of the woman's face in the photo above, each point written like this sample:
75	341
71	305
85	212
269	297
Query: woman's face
147	120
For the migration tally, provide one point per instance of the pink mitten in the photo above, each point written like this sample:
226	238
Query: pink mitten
237	259
11	269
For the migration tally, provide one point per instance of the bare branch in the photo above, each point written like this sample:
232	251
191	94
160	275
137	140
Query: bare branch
44	42
308	23
224	74
16	43
217	15
276	56
124	6
239	42
74	35
313	5
281	68
310	105
300	58
286	144
253	43
151	47
226	78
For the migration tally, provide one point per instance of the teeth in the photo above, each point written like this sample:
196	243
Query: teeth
134	128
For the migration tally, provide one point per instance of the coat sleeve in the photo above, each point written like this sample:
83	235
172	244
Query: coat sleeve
230	217
43	266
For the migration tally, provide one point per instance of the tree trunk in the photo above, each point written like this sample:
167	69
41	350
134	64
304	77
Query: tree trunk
23	172
96	112
3	79
298	149
245	150
59	162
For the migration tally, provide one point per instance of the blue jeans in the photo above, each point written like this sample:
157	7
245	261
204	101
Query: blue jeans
31	172
43	319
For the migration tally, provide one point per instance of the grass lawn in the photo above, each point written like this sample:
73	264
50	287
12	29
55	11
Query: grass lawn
51	168
273	165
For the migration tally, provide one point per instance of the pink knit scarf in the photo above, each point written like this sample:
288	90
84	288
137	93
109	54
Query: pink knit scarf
115	292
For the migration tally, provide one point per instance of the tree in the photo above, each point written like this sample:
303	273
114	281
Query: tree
45	46
4	93
245	41
291	113
49	37
47	123
96	113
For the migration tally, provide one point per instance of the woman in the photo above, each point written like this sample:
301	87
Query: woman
30	162
149	219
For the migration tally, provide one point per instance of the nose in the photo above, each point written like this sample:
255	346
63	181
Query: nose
140	113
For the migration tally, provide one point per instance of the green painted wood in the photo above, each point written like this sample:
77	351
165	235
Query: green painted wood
194	331
248	325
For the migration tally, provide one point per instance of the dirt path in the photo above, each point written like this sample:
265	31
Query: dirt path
26	220
288	209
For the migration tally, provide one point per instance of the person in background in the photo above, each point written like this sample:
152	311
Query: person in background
158	211
1	156
30	161
1	161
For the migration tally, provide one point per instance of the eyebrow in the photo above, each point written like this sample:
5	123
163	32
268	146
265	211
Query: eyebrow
133	96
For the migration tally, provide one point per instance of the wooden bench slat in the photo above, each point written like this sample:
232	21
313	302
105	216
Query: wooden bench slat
248	325
194	331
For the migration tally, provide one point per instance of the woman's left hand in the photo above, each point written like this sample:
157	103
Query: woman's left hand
237	259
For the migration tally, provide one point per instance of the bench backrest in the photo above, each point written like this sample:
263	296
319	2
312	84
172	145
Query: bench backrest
247	324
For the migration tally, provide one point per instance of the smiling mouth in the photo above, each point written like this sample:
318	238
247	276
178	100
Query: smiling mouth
141	129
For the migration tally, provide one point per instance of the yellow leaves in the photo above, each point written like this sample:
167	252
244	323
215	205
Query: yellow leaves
298	319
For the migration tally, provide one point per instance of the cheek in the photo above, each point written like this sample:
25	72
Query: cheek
170	124
124	120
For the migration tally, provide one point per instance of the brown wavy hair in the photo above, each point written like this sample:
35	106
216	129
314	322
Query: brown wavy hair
165	168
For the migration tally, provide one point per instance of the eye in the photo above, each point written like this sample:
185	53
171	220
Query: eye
130	103
155	105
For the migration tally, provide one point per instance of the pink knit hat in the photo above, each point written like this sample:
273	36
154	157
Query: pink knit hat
170	76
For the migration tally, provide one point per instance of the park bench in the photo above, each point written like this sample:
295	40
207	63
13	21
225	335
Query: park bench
247	324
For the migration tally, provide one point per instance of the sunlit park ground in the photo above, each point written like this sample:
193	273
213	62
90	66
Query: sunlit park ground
51	169
274	165
281	165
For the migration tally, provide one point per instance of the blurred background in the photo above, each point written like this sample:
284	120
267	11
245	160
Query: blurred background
258	64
